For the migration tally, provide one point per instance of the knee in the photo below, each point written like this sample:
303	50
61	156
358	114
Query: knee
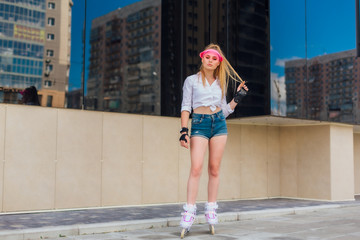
196	172
214	171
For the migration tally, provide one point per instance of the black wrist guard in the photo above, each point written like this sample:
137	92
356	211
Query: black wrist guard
239	95
184	129
183	137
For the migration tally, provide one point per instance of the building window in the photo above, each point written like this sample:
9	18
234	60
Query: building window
51	21
49	67
47	83
51	5
50	36
49	53
49	101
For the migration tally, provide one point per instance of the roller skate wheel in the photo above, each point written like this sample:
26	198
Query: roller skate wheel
212	229
183	232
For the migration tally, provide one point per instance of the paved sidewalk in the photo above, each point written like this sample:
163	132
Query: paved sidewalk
77	222
328	224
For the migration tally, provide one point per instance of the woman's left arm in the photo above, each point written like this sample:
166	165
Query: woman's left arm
228	108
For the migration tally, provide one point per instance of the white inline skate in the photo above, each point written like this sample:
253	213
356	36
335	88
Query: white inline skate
187	219
211	215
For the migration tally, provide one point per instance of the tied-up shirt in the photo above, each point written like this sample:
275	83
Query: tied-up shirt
195	95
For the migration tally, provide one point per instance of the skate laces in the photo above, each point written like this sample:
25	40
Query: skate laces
210	212
189	214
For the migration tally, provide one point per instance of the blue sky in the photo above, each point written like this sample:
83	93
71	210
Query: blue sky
330	28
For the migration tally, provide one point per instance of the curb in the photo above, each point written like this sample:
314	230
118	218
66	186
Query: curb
97	228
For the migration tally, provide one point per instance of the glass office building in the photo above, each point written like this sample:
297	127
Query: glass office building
240	27
22	37
298	61
124	70
314	64
141	54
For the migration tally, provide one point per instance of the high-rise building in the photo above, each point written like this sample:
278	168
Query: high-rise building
35	49
129	45
56	53
240	27
124	72
324	88
22	40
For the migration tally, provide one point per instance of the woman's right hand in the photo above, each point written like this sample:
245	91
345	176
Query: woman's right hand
185	144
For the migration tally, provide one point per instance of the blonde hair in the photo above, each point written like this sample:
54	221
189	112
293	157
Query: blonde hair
223	72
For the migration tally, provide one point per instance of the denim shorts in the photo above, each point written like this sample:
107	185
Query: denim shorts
208	125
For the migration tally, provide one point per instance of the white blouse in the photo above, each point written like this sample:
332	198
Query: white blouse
196	95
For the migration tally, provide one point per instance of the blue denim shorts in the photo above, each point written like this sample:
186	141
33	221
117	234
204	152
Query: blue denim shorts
208	125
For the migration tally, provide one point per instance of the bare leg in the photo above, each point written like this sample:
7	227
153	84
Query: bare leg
216	151
198	147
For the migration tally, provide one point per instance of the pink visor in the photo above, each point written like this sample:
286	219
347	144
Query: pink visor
213	51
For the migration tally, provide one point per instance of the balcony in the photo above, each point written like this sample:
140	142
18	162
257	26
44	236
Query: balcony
147	98
146	81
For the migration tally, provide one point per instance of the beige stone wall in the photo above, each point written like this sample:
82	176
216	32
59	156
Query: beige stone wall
2	152
29	154
342	162
305	165
62	158
357	162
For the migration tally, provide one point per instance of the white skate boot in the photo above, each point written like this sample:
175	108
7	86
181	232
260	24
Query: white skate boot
211	215
187	219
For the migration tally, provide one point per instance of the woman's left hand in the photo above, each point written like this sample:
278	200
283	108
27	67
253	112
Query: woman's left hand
242	85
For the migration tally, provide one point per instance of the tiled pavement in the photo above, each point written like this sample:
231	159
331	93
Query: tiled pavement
341	223
51	219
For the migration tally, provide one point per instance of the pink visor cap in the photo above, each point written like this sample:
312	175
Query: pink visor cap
213	51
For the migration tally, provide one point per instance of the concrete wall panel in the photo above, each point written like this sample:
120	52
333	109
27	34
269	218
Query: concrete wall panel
79	154
342	162
288	162
313	144
357	163
273	161
254	161
122	159
30	143
2	153
161	159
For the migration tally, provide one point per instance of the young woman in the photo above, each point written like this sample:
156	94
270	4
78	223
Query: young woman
204	93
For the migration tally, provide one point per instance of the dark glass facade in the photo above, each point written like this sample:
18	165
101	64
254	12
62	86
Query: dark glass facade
241	28
314	66
124	70
138	54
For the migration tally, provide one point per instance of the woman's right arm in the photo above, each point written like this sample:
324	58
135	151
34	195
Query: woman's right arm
184	124
186	106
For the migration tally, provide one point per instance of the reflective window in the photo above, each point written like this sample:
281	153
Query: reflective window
313	60
132	58
50	36
51	5
47	83
51	21
22	15
49	67
49	53
299	61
